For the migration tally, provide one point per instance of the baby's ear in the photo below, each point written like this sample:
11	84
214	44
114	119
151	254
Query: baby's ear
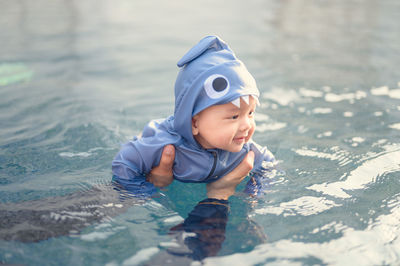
195	129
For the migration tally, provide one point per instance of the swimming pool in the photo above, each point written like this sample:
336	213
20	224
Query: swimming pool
77	78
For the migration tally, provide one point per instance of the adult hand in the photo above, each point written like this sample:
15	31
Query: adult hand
162	175
225	187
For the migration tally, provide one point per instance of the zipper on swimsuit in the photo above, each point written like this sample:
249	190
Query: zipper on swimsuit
214	153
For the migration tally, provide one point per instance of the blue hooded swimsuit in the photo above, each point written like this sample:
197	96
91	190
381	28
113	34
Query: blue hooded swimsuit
210	74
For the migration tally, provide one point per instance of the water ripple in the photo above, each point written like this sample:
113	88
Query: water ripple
371	168
334	154
305	206
377	245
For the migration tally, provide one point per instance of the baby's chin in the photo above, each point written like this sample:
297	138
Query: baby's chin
236	148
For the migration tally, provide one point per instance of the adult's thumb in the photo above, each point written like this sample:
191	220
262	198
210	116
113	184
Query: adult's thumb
167	157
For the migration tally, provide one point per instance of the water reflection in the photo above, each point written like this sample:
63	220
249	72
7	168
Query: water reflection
38	220
199	236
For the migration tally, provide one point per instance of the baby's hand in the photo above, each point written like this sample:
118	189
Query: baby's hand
162	175
225	187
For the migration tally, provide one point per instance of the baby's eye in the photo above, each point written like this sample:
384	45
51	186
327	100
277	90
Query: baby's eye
235	117
251	113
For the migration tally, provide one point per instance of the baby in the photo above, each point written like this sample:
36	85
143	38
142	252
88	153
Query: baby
212	125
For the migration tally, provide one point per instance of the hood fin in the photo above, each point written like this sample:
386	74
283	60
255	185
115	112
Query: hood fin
256	99
236	102
205	44
245	98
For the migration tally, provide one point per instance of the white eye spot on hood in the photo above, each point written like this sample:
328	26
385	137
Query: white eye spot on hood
216	86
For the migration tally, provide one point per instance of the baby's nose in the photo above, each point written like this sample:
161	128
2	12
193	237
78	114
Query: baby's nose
246	124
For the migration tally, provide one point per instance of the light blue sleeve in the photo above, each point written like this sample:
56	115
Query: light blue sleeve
129	170
263	158
128	164
263	170
137	157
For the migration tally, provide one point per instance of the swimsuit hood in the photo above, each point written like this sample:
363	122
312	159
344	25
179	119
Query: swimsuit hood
210	74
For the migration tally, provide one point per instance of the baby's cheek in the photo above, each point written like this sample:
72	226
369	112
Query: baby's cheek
224	139
251	131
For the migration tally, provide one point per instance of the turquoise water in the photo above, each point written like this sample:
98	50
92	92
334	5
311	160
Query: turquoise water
77	78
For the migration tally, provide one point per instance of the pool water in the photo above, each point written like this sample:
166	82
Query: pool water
78	78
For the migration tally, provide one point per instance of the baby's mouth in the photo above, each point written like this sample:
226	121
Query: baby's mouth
240	139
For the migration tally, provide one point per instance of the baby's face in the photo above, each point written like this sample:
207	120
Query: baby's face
225	126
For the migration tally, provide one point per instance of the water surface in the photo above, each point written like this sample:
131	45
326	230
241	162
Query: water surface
78	78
